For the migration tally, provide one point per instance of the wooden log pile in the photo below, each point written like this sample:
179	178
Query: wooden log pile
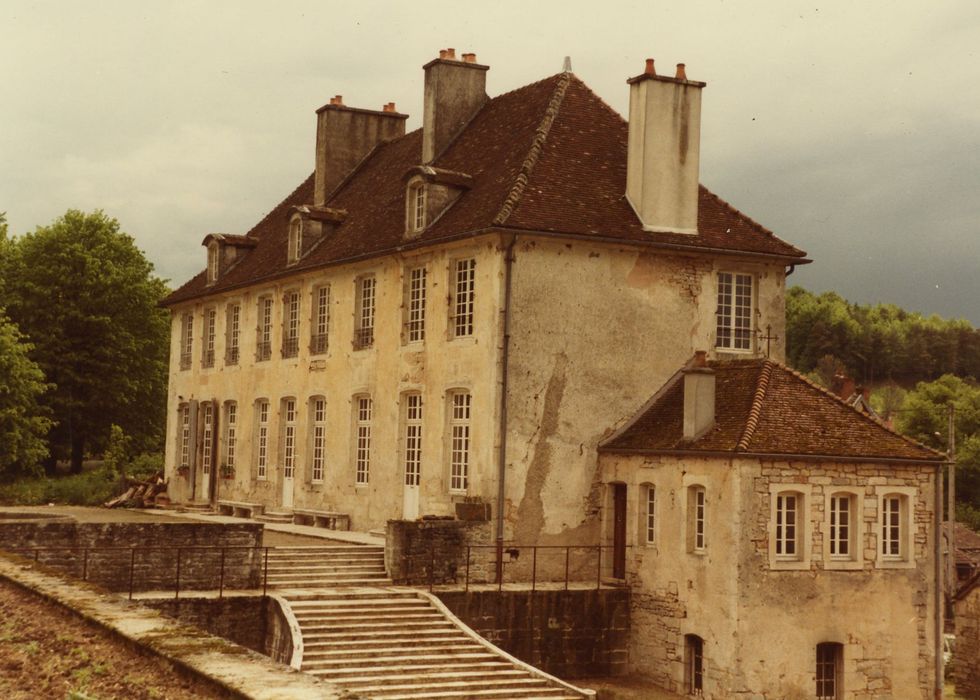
140	494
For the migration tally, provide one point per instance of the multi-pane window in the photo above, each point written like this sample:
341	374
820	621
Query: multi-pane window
318	438
413	439
321	320
364	312
649	514
212	263
186	340
694	664
696	516
734	330
290	324
295	240
830	658
418	207
459	440
263	331
233	328
464	285
231	428
787	515
206	451
362	438
261	439
288	437
415	305
210	327
184	417
891	527
841	522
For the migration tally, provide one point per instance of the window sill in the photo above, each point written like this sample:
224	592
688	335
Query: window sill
843	565
789	565
894	564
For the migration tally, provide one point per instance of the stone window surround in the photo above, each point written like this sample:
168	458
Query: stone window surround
645	512
362	424
753	311
262	468
312	441
804	538
451	422
856	525
907	557
690	482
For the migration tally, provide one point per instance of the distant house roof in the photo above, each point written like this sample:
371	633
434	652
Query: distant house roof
966	543
549	157
765	408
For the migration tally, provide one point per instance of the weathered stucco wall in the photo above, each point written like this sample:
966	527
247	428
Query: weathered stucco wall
596	330
761	623
384	371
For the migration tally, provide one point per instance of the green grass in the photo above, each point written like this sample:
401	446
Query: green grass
90	488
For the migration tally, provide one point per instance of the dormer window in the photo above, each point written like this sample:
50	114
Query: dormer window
417	207
212	263
295	240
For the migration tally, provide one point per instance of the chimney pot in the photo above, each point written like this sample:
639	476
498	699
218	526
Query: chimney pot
681	74
451	54
442	53
469	57
700	359
650	70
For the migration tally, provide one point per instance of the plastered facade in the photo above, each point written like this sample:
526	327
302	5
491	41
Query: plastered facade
761	619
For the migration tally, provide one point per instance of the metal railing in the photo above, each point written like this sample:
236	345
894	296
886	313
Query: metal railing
290	346
318	344
363	338
252	567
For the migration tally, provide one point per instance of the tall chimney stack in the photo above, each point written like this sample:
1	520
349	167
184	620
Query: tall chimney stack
344	135
699	397
664	150
454	92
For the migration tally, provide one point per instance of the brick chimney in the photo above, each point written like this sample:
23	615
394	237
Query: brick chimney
664	149
455	90
344	135
699	397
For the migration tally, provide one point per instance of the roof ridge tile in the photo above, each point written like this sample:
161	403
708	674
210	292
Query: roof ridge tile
534	152
761	387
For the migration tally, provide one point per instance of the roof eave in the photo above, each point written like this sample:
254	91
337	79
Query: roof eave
731	454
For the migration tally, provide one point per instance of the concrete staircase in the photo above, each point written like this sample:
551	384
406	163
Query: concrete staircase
398	644
327	566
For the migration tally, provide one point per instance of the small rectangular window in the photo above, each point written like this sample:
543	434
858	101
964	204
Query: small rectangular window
263	340
841	514
415	305
318	416
362	428
210	326
295	242
321	320
184	418
694	664
208	446
786	525
262	440
233	318
830	661
734	312
418	208
650	515
290	325
364	313
891	527
459	435
186	340
288	437
413	439
231	429
696	519
464	288
212	263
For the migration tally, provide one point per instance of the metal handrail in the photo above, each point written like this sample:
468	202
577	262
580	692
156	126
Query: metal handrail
587	548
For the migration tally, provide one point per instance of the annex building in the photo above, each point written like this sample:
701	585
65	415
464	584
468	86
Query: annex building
469	312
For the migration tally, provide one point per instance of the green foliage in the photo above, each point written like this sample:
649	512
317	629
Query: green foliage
878	341
92	487
116	452
87	298
23	423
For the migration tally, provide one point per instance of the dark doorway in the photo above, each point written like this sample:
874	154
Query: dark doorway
619	530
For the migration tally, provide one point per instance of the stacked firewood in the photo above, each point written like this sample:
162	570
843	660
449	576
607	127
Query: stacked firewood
141	494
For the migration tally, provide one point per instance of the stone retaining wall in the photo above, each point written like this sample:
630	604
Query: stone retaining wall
569	634
417	551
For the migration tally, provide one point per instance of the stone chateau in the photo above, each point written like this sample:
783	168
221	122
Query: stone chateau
472	312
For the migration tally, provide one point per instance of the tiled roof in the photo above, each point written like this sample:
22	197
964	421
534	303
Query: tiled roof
548	157
763	407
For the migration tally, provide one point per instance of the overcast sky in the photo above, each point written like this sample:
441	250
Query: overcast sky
851	129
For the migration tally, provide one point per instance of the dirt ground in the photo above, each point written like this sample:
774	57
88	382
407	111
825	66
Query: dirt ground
46	652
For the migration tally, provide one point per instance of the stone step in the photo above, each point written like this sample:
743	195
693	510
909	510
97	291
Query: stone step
359	597
536	693
380	633
341	558
463	669
343	621
357	681
418	641
325	585
325	568
430	684
399	655
359	572
334	612
315	548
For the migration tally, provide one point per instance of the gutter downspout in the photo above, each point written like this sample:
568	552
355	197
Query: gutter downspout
938	591
502	458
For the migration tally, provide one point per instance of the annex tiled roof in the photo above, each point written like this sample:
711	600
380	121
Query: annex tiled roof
548	157
763	407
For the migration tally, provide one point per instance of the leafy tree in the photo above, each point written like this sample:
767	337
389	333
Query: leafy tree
87	299
23	424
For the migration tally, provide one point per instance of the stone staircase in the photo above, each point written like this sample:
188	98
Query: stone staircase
399	644
327	566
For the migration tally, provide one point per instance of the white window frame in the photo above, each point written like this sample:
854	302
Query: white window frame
207	444
648	514
364	308
363	418
417	206
854	558
233	332
905	558
186	340
779	556
184	435
262	439
463	302
231	433
735	313
210	331
415	299
459	418
295	243
263	328
212	263
320	326
290	323
412	430
287	436
696	517
318	438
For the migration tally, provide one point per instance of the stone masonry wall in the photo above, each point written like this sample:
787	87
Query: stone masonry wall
570	634
420	551
103	553
966	652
